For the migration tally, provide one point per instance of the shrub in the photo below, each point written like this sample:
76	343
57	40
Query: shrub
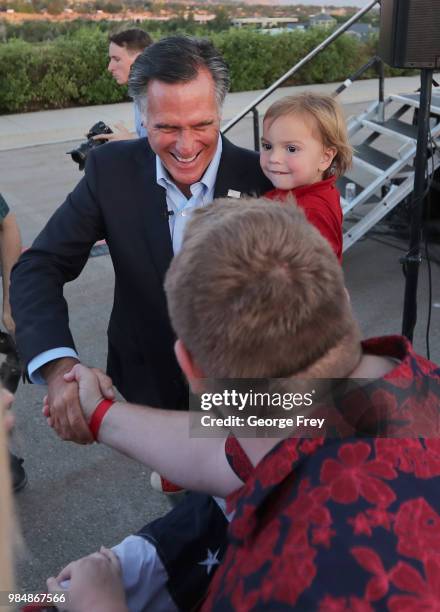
17	65
71	70
256	60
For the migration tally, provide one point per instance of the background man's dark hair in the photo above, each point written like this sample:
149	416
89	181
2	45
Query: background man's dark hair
177	59
133	39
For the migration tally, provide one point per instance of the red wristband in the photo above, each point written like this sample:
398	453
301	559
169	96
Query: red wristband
97	416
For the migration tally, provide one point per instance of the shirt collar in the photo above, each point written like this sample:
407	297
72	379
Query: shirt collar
208	179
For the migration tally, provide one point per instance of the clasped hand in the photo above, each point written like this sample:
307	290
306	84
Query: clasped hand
73	394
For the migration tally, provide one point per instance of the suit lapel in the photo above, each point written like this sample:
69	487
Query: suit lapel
228	172
153	208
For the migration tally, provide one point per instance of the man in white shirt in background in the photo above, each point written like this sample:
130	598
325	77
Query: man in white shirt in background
123	49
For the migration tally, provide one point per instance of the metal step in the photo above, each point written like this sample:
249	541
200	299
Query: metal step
391	168
382	179
375	214
393	127
374	158
414	100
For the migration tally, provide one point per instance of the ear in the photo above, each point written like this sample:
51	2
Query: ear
193	373
134	54
328	155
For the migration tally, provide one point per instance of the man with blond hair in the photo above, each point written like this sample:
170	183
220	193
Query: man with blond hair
322	523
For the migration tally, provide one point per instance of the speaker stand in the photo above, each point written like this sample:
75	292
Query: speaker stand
411	261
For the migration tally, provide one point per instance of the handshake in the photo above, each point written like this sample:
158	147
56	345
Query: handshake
74	392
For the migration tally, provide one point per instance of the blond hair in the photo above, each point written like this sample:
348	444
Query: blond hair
329	121
256	291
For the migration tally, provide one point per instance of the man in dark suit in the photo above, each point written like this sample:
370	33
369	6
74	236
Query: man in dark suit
137	196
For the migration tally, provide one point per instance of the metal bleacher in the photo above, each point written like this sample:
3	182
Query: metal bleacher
385	141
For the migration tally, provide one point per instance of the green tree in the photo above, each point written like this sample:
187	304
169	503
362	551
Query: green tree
222	20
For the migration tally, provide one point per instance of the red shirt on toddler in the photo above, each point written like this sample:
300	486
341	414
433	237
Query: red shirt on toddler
321	204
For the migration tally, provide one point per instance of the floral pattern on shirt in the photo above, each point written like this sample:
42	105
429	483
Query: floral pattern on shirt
344	525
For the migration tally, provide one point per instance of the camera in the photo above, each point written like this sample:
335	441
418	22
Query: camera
79	155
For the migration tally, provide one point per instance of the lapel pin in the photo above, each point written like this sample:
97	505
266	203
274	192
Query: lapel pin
233	194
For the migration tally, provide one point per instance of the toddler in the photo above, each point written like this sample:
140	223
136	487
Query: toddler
304	150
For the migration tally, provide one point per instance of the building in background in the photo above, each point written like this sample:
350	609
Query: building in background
322	20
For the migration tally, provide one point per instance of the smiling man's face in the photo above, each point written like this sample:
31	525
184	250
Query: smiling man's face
183	124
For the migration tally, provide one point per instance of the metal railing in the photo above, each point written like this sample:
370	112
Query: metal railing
374	62
252	107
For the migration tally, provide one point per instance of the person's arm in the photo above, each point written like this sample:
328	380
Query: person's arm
56	257
39	308
10	249
160	439
120	132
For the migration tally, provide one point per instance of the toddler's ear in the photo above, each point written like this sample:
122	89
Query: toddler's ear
328	156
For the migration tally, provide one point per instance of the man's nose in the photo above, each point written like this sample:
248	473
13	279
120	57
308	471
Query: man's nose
185	143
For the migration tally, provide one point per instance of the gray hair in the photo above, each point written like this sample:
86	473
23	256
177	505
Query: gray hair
177	59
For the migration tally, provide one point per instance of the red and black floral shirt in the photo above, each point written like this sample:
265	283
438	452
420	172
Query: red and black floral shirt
342	525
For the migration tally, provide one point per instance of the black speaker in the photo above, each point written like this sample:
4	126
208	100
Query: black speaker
410	33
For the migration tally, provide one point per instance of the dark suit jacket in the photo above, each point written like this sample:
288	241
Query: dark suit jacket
119	200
